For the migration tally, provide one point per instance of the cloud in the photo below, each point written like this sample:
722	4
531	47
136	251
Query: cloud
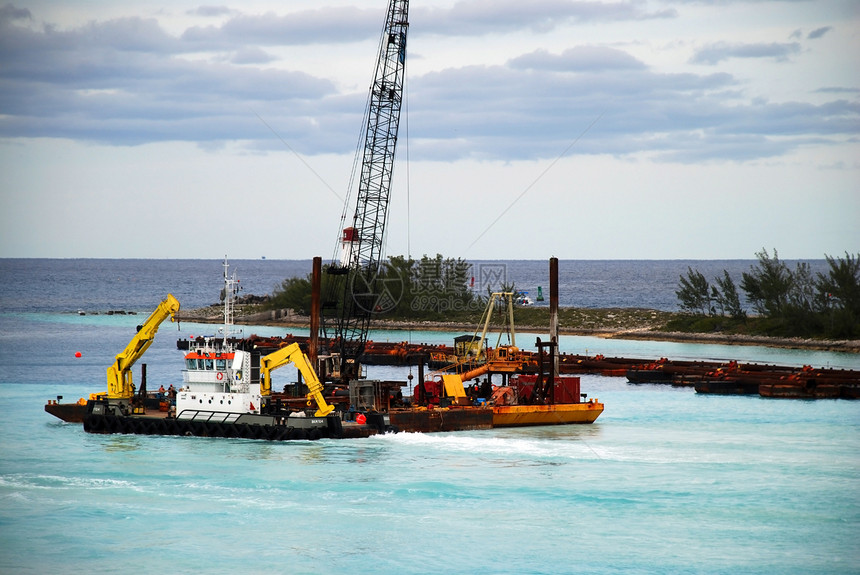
819	32
323	25
10	12
838	90
128	81
252	55
715	53
479	17
210	11
581	58
521	111
471	18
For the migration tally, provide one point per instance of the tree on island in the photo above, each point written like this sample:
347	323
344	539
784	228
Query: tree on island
792	302
429	288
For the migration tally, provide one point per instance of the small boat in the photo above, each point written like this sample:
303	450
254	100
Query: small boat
522	298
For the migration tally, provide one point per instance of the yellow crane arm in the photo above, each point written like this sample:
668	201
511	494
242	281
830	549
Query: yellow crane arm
119	379
488	315
293	354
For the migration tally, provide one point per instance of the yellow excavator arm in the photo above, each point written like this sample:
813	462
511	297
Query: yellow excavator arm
119	379
293	354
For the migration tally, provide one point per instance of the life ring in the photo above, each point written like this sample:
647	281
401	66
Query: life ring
220	376
239	375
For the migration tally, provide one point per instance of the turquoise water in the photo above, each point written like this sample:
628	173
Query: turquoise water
666	481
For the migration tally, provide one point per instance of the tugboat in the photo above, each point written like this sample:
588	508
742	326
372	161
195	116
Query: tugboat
220	395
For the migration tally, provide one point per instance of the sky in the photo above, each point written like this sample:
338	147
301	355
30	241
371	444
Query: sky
583	129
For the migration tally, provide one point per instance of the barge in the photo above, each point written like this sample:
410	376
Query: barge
226	391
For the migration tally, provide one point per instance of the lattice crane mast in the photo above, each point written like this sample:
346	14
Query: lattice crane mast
353	292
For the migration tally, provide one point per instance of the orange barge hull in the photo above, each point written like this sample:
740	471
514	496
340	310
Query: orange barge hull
556	414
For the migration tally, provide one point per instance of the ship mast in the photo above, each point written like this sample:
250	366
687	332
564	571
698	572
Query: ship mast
228	296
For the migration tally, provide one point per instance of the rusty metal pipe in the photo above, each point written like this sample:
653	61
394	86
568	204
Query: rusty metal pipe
553	312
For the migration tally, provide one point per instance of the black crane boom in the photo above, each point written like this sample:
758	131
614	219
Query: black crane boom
354	291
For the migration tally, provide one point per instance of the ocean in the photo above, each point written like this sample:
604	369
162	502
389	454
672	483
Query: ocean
665	481
98	285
